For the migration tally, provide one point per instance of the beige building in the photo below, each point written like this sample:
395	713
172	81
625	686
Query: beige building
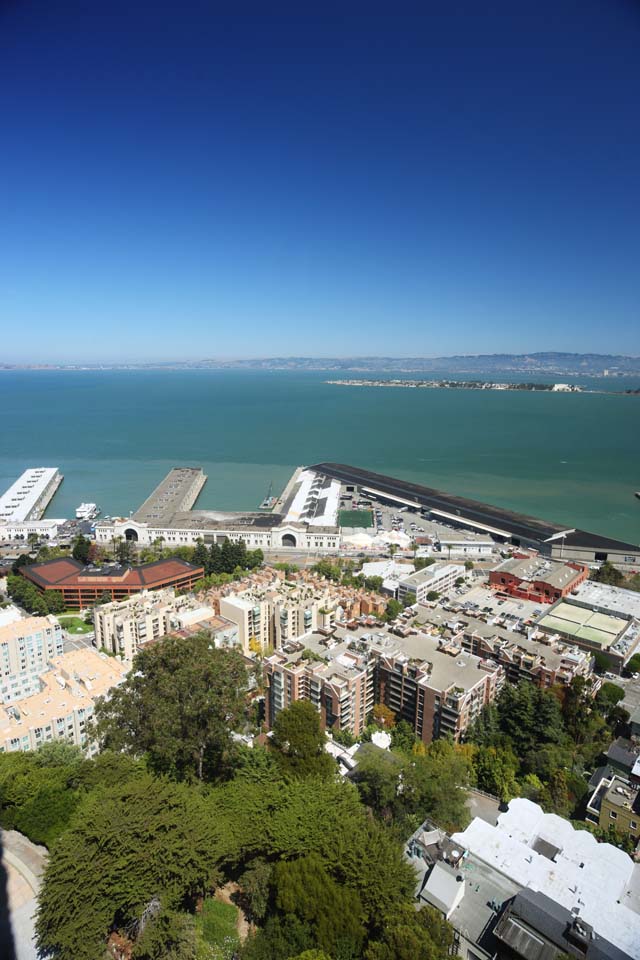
271	615
124	626
64	704
438	579
26	646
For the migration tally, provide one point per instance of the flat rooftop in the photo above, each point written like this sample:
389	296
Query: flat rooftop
608	599
177	491
462	509
74	680
342	652
582	624
17	503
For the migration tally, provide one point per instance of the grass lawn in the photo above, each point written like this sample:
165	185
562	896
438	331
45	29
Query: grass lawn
74	624
216	925
355	518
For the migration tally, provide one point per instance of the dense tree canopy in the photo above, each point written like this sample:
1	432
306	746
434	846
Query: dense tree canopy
299	741
177	707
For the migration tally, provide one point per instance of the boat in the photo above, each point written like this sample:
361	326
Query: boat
638	494
87	511
269	500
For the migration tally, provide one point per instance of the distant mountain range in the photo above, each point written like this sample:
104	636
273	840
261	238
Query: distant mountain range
561	364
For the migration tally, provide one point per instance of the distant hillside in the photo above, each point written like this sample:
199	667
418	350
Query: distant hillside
550	363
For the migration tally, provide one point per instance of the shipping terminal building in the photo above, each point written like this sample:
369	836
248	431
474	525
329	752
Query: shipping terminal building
306	517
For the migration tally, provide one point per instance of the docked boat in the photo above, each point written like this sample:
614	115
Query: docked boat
269	500
87	511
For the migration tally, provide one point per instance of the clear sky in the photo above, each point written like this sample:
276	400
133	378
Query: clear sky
323	180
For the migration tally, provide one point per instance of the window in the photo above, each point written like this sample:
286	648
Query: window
633	824
613	815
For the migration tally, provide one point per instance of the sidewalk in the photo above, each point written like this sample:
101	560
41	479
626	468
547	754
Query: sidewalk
24	863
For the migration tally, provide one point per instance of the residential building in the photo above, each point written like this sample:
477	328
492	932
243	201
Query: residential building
437	690
438	578
26	646
253	619
122	627
615	807
532	854
64	703
82	586
537	579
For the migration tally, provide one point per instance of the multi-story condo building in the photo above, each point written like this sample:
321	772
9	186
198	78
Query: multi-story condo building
525	659
64	703
273	614
438	578
26	646
436	688
123	627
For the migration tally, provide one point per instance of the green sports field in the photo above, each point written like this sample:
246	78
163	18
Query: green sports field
355	518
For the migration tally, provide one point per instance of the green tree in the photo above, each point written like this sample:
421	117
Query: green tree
305	889
299	741
496	771
54	601
410	934
201	556
607	573
81	549
432	595
177	706
144	840
394	609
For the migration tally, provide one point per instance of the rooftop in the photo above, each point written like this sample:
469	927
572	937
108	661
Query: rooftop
19	500
177	491
572	876
74	681
558	575
67	572
608	599
26	627
435	571
583	624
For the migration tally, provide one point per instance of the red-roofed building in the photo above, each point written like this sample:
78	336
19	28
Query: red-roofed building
83	586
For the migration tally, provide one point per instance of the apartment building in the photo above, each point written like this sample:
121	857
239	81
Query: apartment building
523	658
437	689
438	578
122	627
63	705
273	614
439	696
26	646
342	689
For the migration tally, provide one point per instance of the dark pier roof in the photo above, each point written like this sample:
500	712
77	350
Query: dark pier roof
517	525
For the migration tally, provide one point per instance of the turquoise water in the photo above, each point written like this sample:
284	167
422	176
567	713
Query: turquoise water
574	459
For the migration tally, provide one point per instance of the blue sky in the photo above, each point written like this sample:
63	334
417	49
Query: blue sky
447	178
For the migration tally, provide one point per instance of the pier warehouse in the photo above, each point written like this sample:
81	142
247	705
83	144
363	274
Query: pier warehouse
83	586
503	525
30	495
306	519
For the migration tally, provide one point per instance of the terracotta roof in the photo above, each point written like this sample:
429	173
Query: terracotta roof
69	573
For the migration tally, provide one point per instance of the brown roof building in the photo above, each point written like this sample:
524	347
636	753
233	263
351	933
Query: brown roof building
83	586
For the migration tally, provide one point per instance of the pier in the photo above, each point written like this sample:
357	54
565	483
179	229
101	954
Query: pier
177	492
30	495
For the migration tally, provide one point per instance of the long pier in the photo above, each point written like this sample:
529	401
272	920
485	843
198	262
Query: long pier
177	492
